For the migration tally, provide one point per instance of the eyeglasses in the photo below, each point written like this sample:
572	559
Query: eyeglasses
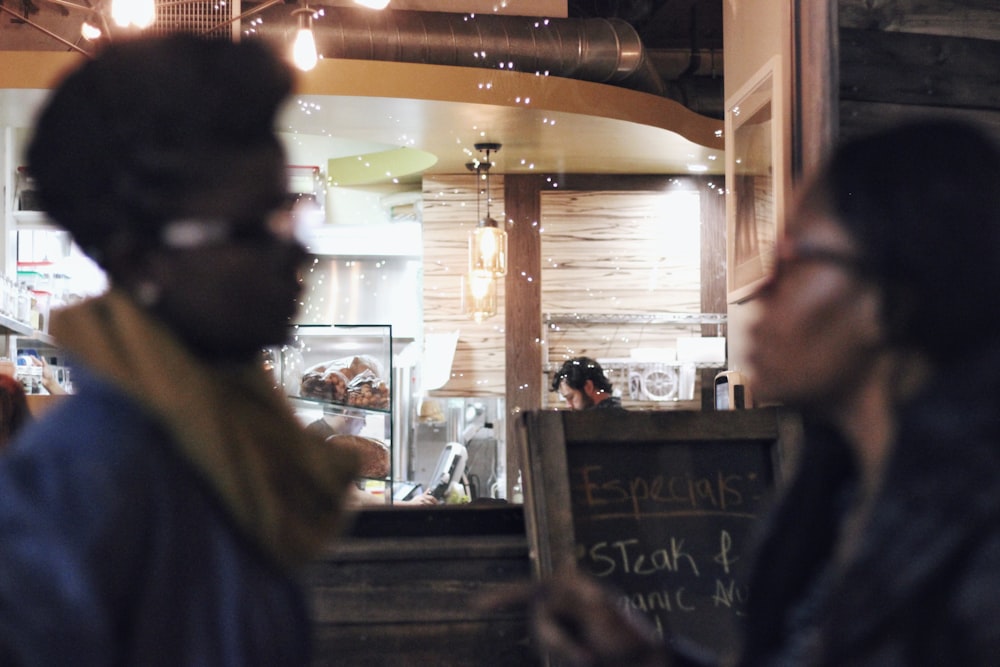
279	225
788	256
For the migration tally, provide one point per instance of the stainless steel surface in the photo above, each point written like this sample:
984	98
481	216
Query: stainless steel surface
595	49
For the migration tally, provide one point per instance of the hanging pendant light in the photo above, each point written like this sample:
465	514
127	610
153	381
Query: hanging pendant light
488	240
479	296
304	47
138	13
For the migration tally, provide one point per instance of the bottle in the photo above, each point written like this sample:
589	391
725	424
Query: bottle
516	493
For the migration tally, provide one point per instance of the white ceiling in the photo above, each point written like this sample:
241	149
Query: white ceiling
545	124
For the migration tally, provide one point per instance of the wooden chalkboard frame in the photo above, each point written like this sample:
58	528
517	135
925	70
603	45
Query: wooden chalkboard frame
546	437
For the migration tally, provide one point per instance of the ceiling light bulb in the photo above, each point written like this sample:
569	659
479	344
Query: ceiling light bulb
89	31
373	4
140	13
304	50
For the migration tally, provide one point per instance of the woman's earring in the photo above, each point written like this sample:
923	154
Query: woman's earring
147	293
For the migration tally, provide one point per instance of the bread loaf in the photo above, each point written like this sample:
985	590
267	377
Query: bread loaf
374	454
350	381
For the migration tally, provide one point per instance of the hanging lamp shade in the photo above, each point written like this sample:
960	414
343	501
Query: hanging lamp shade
488	249
488	240
479	296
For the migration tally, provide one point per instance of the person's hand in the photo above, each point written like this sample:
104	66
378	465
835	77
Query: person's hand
424	498
49	379
575	619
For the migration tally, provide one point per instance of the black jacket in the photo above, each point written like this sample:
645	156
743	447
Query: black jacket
923	587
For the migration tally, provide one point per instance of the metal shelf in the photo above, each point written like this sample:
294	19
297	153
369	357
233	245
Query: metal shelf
37	337
625	318
10	326
35	220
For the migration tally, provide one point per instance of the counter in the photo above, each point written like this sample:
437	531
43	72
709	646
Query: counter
400	589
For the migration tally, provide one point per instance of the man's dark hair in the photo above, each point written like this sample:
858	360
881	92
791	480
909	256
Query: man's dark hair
577	371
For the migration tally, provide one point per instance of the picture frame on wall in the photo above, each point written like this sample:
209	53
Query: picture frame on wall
755	177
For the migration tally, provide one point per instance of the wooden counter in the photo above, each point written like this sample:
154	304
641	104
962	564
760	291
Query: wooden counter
401	589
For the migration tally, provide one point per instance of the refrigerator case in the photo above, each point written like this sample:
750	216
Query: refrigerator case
341	377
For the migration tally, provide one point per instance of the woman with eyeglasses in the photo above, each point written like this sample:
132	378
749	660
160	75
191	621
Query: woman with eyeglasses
880	325
160	514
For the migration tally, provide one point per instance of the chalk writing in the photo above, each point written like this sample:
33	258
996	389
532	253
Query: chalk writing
627	557
724	557
606	494
659	600
728	594
673	574
663	509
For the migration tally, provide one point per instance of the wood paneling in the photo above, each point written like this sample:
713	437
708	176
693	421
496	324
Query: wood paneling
609	245
407	590
522	308
962	18
814	82
889	61
449	215
713	275
903	59
921	69
622	252
578	244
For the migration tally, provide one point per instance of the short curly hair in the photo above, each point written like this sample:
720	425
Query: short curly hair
129	134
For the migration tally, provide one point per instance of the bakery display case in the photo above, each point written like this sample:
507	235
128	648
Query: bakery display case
338	379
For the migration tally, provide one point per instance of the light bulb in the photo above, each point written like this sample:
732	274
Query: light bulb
373	4
89	31
140	13
488	249
479	296
304	50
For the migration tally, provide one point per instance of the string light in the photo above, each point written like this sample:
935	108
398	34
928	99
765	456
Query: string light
304	48
89	31
138	13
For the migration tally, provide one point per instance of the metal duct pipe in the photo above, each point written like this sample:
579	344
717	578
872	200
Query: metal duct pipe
601	50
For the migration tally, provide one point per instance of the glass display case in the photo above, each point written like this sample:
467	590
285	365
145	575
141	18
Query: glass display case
339	381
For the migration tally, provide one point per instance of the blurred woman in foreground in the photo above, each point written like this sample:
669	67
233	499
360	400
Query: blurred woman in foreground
879	323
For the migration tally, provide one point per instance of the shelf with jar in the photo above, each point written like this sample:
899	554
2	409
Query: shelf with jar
48	270
338	379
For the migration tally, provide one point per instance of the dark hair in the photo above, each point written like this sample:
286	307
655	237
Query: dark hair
922	201
577	371
14	412
128	135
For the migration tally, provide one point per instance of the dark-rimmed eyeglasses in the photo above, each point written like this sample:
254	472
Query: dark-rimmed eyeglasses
788	256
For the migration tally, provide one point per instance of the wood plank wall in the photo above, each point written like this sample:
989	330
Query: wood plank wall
506	355
619	253
592	245
906	58
449	215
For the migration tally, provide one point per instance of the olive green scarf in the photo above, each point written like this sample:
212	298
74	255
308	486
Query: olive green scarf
284	487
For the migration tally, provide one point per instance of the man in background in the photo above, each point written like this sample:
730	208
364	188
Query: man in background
582	384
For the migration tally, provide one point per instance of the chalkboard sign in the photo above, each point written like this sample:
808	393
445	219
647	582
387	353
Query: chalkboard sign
660	505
